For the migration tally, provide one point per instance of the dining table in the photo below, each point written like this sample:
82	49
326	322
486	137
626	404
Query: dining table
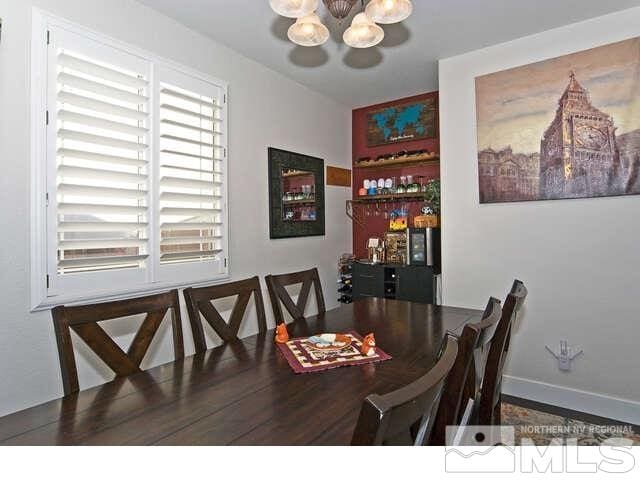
244	392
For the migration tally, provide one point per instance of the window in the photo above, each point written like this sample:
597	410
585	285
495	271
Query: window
130	190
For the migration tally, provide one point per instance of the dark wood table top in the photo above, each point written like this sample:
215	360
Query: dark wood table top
244	392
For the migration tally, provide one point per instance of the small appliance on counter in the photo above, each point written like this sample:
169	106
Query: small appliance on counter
423	247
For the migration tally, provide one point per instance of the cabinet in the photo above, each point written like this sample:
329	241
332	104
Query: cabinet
415	284
367	281
401	282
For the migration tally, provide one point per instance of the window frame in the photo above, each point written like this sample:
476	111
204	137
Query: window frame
42	134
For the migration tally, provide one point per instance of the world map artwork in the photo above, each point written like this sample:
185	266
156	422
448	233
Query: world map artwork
413	121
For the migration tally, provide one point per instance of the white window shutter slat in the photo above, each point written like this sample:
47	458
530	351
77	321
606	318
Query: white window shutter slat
85	227
94	262
100	157
98	122
107	108
93	69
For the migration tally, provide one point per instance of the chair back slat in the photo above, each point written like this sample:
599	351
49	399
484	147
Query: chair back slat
461	384
118	309
83	320
405	416
144	336
489	402
199	300
276	284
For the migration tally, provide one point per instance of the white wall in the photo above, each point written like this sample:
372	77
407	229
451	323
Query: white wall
579	258
266	109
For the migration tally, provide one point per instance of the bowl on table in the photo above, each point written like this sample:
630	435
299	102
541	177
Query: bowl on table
328	342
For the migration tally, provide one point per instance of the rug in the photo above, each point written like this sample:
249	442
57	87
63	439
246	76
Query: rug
304	356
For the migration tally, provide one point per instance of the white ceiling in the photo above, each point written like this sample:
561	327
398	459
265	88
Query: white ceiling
406	61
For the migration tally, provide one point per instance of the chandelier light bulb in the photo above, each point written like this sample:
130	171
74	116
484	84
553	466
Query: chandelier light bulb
294	8
308	31
389	11
363	33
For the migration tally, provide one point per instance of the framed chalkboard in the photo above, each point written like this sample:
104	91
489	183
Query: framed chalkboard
296	195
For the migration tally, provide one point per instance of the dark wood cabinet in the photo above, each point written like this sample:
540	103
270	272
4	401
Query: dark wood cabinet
401	282
367	281
415	284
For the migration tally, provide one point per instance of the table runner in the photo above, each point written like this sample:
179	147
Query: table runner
305	360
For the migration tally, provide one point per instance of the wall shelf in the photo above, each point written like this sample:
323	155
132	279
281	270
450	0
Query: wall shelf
406	197
293	203
297	173
415	161
398	197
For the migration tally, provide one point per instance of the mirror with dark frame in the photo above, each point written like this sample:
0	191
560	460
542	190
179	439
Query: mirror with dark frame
296	194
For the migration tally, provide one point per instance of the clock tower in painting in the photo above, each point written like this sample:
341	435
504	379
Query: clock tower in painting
578	152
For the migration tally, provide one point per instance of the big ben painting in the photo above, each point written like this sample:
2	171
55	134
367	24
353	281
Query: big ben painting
568	127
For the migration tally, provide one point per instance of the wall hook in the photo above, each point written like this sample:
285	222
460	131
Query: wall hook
565	355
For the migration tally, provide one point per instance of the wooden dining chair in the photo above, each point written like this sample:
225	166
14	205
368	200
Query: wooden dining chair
278	294
461	388
405	416
199	301
84	321
491	393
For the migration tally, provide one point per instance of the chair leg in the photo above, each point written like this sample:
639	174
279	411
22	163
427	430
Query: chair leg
497	413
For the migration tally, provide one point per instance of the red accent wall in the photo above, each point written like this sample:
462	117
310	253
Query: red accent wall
377	225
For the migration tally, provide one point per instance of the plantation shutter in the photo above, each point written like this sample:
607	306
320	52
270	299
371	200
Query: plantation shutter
191	153
132	190
102	174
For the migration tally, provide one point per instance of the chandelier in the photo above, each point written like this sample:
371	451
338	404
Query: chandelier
364	32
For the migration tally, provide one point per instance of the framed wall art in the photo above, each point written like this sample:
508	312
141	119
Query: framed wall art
568	127
403	122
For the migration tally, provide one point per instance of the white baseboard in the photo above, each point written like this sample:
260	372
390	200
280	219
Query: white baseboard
579	400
